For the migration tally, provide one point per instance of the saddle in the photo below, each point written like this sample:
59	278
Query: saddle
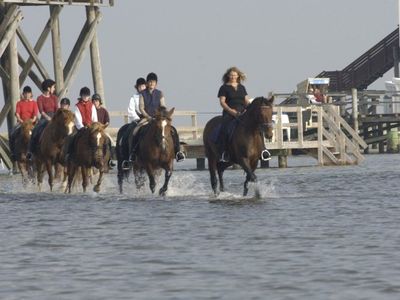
230	128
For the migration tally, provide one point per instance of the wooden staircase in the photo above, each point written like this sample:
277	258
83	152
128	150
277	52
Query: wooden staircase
370	66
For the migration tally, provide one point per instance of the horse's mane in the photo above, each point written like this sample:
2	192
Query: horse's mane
257	102
96	126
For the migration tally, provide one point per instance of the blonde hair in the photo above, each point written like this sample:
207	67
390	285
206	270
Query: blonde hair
225	77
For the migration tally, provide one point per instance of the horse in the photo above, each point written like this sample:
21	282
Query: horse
245	145
90	150
50	151
156	151
122	148
22	137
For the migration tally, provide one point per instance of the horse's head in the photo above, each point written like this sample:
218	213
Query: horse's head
64	119
162	122
26	128
98	143
260	111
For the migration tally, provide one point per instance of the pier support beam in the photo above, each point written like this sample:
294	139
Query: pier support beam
57	54
14	80
355	109
201	163
98	84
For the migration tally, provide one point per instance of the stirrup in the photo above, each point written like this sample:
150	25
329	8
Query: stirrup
111	164
29	156
180	156
126	165
265	155
224	157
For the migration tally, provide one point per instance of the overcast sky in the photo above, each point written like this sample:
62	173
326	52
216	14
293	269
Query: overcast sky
190	44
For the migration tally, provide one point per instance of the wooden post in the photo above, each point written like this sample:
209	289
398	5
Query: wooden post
300	126
382	143
14	94
355	109
282	159
95	55
57	53
320	137
201	163
396	60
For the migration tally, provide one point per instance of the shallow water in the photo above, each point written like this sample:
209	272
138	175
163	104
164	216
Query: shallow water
317	233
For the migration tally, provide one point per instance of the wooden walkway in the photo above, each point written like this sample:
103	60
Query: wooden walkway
323	134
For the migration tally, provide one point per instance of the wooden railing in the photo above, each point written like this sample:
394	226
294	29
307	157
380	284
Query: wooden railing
184	131
367	68
62	2
334	141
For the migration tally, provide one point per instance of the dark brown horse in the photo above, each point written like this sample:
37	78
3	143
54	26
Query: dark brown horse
156	150
246	144
50	152
22	137
90	150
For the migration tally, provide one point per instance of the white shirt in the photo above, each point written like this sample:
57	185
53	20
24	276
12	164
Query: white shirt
78	117
133	108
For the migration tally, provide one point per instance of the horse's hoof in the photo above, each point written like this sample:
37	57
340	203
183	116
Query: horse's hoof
162	192
96	188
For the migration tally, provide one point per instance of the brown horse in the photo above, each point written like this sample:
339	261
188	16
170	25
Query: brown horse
22	137
90	150
246	144
50	152
156	150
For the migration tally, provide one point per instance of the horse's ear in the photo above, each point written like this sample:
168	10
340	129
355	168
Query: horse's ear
171	112
104	126
271	99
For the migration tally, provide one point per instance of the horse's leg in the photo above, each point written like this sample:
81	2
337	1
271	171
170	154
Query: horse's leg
22	171
99	181
151	178
221	167
164	188
40	174
71	169
120	175
212	167
49	168
250	176
84	178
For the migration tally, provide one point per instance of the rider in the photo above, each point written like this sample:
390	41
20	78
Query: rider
26	109
150	100
47	105
65	103
104	118
133	108
234	100
85	115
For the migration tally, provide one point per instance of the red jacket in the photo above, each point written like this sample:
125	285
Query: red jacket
85	108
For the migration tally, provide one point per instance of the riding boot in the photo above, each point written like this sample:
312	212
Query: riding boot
111	164
134	145
179	155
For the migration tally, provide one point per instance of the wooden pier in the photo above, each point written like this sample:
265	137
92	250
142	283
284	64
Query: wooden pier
322	134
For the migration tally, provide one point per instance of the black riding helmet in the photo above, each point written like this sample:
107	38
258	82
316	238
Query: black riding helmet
97	97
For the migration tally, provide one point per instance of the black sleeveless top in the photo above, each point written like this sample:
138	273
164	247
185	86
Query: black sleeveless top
235	98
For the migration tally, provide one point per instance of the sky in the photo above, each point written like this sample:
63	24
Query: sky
190	44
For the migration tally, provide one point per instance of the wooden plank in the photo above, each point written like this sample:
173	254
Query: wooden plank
14	95
38	46
7	19
4	74
57	53
101	3
8	35
4	112
32	54
78	56
32	75
320	137
95	56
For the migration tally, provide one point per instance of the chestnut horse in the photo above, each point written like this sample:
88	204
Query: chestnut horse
22	137
156	150
50	151
90	150
245	145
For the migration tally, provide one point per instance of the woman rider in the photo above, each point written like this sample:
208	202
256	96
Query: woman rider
233	99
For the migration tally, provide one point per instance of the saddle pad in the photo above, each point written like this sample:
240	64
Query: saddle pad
231	126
